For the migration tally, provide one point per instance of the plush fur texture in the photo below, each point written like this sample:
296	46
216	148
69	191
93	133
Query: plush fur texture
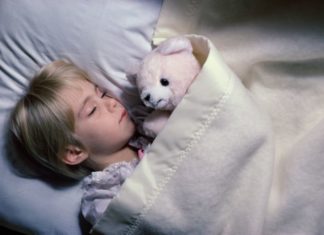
163	79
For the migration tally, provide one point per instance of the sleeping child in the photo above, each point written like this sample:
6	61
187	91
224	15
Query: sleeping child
68	125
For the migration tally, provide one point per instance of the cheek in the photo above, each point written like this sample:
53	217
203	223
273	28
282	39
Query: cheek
88	137
91	134
104	135
98	141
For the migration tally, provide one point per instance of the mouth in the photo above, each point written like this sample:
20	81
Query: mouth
123	114
161	104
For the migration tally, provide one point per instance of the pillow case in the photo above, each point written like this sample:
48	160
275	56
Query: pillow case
102	37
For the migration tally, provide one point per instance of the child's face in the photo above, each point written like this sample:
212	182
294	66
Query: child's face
101	122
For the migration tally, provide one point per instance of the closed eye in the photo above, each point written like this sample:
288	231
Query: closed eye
101	93
93	110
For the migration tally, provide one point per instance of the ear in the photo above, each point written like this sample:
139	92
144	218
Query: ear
175	45
74	155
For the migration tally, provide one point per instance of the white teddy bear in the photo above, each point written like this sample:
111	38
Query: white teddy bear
163	78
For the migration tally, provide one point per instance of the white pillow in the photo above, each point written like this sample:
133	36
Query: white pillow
103	37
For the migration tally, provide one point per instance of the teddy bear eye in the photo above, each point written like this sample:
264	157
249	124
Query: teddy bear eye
164	82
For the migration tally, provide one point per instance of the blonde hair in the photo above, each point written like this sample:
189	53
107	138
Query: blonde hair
43	124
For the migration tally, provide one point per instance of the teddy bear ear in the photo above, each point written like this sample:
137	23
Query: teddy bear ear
174	45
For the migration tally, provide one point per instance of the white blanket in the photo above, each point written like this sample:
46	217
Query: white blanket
244	151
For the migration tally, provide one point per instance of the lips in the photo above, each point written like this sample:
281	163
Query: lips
123	114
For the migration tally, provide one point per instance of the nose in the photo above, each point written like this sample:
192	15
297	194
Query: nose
111	104
147	97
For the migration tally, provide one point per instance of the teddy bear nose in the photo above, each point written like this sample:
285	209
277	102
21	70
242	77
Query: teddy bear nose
147	97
